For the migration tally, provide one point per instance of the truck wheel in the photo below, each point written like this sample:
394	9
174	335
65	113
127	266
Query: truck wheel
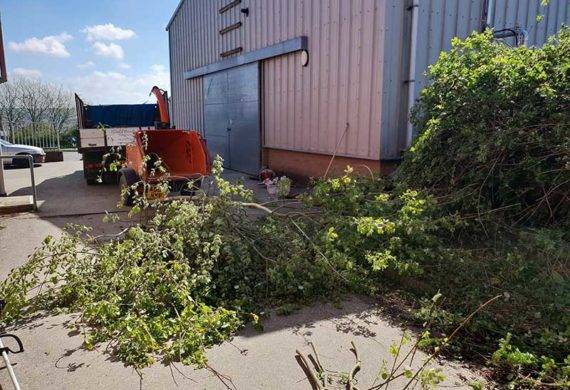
127	192
189	188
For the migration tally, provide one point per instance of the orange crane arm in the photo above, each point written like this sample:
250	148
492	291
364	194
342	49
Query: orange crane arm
161	97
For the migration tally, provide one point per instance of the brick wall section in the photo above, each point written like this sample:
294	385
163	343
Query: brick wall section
302	166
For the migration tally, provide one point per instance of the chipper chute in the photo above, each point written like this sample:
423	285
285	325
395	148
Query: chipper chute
179	157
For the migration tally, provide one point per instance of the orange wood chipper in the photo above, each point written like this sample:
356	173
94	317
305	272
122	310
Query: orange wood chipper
177	157
164	155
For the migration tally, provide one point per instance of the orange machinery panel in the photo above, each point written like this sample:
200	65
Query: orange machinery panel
183	154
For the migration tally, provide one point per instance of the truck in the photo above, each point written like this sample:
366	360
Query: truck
108	129
133	135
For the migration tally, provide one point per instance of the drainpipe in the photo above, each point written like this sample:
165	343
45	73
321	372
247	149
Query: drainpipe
3	79
489	11
411	77
523	36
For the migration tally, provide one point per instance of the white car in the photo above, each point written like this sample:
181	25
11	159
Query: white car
10	149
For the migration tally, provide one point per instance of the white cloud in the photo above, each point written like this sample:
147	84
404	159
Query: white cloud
107	32
158	68
124	65
111	50
52	45
114	87
28	73
88	64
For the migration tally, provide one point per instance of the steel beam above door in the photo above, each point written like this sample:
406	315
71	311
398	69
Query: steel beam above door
289	46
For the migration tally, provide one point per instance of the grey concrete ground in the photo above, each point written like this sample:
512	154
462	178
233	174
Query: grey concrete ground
54	359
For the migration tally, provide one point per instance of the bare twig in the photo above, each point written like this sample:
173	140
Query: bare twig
309	372
355	369
226	380
438	351
336	149
117	235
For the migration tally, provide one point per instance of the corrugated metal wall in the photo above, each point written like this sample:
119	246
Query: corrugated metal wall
508	13
304	108
358	68
195	41
395	74
308	108
439	22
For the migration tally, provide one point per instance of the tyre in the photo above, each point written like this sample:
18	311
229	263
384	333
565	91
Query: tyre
110	177
189	188
127	193
21	162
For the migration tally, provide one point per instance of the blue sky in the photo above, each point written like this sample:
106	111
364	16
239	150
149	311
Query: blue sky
106	51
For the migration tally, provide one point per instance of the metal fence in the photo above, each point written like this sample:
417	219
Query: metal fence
41	134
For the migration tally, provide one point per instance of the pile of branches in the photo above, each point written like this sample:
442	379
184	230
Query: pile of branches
189	277
494	130
168	288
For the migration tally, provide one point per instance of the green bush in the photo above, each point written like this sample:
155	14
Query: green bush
370	229
494	130
493	148
68	138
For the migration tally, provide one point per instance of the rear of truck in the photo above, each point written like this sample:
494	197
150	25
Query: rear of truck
133	138
104	132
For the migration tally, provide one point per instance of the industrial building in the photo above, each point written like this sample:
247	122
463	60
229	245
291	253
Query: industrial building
286	84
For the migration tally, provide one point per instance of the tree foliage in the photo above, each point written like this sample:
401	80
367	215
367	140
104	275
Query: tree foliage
34	111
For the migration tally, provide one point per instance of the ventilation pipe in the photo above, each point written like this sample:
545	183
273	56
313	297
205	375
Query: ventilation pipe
412	69
519	34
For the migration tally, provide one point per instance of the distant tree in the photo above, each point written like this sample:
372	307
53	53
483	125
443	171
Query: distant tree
35	100
60	109
12	114
35	105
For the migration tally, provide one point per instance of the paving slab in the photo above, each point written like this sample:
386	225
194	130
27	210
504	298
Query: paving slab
54	357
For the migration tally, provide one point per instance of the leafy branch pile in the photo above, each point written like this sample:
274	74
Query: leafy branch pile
148	294
387	239
480	208
191	276
494	149
495	130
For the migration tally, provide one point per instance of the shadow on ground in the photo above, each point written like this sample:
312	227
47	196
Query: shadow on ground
55	357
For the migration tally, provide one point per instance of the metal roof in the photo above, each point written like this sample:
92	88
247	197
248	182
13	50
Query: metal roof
174	14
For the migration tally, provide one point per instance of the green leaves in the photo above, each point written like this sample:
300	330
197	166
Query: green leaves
378	227
194	273
493	131
146	293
